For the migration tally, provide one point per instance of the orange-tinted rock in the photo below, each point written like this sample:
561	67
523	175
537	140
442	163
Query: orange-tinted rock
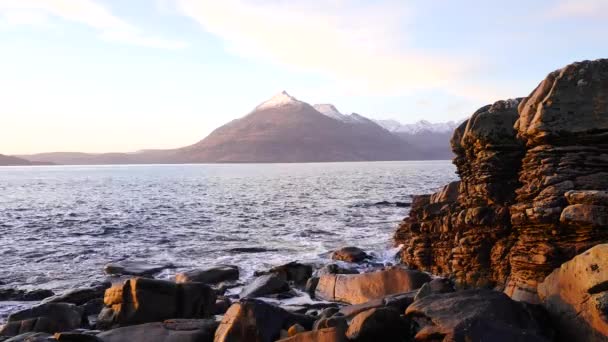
576	295
361	288
322	335
350	254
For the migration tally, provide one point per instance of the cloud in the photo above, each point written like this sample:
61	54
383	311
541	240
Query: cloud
86	12
360	46
595	9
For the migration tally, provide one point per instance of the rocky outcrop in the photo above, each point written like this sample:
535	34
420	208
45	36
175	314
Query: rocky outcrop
48	318
211	275
576	296
464	229
530	195
182	330
361	288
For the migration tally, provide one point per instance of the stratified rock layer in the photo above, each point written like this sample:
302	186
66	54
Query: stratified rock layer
530	195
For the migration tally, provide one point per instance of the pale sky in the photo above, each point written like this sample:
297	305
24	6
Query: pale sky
124	75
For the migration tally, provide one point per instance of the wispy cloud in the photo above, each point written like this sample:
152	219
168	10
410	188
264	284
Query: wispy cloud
86	12
362	47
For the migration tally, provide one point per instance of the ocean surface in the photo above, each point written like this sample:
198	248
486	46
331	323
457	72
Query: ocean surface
59	225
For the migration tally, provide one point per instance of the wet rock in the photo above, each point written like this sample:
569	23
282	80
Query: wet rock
575	296
350	254
30	337
48	318
335	269
257	321
134	268
292	272
474	315
323	335
361	288
381	324
212	275
311	286
23	295
174	330
141	300
263	286
76	337
77	296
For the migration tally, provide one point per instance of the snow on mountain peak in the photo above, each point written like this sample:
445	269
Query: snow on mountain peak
329	110
280	99
418	127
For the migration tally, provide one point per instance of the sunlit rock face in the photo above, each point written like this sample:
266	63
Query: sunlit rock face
530	197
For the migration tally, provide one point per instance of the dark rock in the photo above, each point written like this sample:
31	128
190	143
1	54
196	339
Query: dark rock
263	286
311	286
335	269
350	254
257	321
23	295
474	315
48	318
29	337
135	268
361	288
76	337
141	300
212	275
221	305
397	302
382	324
175	330
77	296
292	272
331	322
435	286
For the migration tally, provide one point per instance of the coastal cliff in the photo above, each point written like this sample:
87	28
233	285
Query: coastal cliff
530	196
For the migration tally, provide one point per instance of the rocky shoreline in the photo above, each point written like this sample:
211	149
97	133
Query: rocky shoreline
514	251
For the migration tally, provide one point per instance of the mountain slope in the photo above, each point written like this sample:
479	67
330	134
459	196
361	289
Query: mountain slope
284	129
15	161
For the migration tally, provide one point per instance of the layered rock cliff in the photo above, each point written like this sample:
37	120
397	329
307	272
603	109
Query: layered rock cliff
525	203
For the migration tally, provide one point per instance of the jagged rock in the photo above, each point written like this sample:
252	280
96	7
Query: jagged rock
382	324
263	286
292	272
322	335
212	275
361	288
141	300
174	330
350	254
256	321
134	268
576	296
475	315
47	318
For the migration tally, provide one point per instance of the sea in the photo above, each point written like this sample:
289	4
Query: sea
59	225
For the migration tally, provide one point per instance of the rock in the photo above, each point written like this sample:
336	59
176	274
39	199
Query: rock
47	318
292	272
257	321
437	285
361	288
323	335
350	254
174	330
23	295
135	268
311	286
335	269
264	285
398	302
381	324
331	322
474	315
295	329
141	300
30	337
221	305
76	337
212	275
77	296
576	296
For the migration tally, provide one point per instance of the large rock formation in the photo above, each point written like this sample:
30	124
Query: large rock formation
527	198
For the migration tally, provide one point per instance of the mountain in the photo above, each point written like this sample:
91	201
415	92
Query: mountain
432	139
284	129
15	161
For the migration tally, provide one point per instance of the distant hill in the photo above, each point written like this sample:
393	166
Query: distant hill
16	161
284	129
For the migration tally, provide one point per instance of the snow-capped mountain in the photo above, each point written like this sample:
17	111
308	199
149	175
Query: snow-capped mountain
331	111
418	127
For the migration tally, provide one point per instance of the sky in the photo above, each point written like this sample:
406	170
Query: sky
118	76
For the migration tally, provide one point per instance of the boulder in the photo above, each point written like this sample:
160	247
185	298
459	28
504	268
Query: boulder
294	272
350	254
264	285
174	330
212	275
23	295
437	285
134	268
141	300
256	321
322	335
475	315
576	296
380	324
77	296
30	337
397	302
361	288
76	337
47	318
335	269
